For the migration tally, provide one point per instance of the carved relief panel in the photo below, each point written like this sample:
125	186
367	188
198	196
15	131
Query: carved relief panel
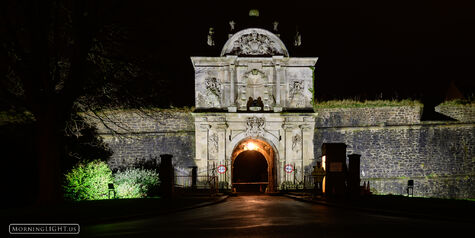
296	94
254	42
211	95
299	87
255	126
255	84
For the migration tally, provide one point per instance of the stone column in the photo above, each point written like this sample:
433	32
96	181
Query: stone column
201	144
232	80
307	144
289	159
278	80
277	85
220	130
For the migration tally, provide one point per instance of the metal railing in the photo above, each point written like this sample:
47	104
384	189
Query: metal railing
203	183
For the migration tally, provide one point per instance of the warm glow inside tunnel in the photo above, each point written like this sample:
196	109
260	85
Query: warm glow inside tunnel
252	166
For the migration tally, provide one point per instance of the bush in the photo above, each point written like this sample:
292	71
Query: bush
88	181
136	183
129	190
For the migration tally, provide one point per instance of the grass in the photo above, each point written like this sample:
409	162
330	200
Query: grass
349	103
459	102
148	110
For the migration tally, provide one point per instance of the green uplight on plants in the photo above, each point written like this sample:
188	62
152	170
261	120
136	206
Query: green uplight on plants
88	181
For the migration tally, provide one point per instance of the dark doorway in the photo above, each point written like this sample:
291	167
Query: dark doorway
250	172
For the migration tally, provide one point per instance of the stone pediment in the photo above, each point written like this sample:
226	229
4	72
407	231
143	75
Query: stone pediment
254	42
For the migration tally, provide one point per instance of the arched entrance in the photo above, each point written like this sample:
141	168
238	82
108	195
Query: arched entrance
253	166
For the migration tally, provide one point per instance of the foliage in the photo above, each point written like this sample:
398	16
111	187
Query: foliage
136	183
359	104
82	143
88	181
312	89
47	50
130	190
12	116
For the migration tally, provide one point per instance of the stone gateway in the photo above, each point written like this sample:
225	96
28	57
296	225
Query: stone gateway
254	97
254	116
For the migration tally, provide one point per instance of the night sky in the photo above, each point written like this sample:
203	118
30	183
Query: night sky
376	50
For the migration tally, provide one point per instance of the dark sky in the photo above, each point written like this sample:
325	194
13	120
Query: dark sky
388	50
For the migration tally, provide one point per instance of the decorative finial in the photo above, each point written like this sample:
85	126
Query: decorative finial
253	13
232	24
210	36
297	39
275	24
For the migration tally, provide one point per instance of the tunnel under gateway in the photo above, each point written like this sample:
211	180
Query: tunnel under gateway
250	172
252	166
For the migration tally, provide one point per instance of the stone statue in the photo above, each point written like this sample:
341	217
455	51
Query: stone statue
296	143
275	24
211	36
297	39
297	97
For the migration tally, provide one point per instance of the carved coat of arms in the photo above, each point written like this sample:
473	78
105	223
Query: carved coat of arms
254	44
255	126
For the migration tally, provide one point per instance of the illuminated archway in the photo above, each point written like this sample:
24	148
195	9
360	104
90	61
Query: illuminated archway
253	149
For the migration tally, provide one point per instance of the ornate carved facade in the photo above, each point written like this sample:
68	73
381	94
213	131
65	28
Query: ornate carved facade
255	71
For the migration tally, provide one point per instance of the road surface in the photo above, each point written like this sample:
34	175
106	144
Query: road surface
277	216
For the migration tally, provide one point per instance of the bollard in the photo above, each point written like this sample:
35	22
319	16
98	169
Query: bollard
194	177
354	175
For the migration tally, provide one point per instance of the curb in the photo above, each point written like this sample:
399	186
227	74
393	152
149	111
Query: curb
381	211
151	214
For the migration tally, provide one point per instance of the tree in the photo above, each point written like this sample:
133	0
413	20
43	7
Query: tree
49	65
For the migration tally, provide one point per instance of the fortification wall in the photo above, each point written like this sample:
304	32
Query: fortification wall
436	157
374	116
139	137
394	144
463	113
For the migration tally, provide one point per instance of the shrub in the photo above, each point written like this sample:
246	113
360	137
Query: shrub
88	181
129	190
136	183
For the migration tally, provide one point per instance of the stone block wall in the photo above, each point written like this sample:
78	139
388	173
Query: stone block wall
434	156
137	150
138	137
463	113
394	144
374	116
141	121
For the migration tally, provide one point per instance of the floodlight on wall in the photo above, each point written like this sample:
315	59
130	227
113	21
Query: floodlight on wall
250	146
324	164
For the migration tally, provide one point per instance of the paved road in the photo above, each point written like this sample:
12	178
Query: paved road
276	216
